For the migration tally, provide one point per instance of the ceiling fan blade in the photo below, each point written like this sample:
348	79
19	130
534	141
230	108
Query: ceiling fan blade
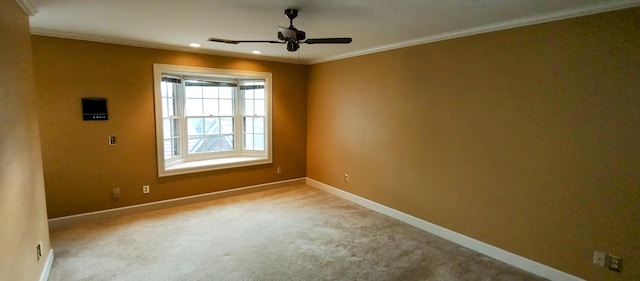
243	41
223	40
344	40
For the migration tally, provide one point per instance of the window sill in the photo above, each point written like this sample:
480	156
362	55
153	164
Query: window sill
179	168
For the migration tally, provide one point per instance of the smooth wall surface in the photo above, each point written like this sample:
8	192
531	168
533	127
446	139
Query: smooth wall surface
526	139
23	213
81	169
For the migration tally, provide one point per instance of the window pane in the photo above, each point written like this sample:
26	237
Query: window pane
163	88
248	141
170	128
226	107
210	107
195	127
258	142
248	124
168	149
166	128
259	93
165	110
193	92
194	144
258	125
248	107
226	143
168	89
176	146
227	125
226	92
211	126
259	107
176	127
210	92
171	88
171	109
211	144
248	94
193	107
171	148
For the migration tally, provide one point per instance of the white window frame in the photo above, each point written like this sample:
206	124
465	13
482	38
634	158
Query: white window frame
239	158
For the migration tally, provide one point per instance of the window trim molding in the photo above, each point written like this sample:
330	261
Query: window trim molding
188	165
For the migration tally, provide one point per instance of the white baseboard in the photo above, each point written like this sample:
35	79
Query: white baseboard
462	240
44	275
141	208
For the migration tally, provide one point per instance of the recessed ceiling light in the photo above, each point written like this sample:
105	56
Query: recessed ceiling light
194	45
256	52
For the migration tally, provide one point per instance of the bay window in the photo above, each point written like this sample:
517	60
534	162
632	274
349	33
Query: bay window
210	119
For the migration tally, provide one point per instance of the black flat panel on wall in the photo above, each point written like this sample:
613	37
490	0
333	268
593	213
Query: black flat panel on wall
94	109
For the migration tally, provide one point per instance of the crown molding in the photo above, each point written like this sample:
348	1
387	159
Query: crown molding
28	7
549	17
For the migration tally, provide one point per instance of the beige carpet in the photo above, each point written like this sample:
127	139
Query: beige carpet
296	233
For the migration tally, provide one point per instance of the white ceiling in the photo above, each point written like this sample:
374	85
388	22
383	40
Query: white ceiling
374	25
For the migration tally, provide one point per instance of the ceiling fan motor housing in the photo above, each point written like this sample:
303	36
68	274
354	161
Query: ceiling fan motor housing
291	34
300	35
292	46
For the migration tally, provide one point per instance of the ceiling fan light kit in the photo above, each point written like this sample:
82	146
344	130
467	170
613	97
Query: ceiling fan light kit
290	36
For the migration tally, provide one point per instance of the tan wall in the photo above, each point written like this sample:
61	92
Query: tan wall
23	214
526	139
81	169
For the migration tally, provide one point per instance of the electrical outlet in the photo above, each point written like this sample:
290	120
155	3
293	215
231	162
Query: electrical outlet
614	262
278	171
112	140
346	177
599	258
145	189
115	193
38	251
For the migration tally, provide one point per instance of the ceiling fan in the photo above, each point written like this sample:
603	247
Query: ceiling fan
290	36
